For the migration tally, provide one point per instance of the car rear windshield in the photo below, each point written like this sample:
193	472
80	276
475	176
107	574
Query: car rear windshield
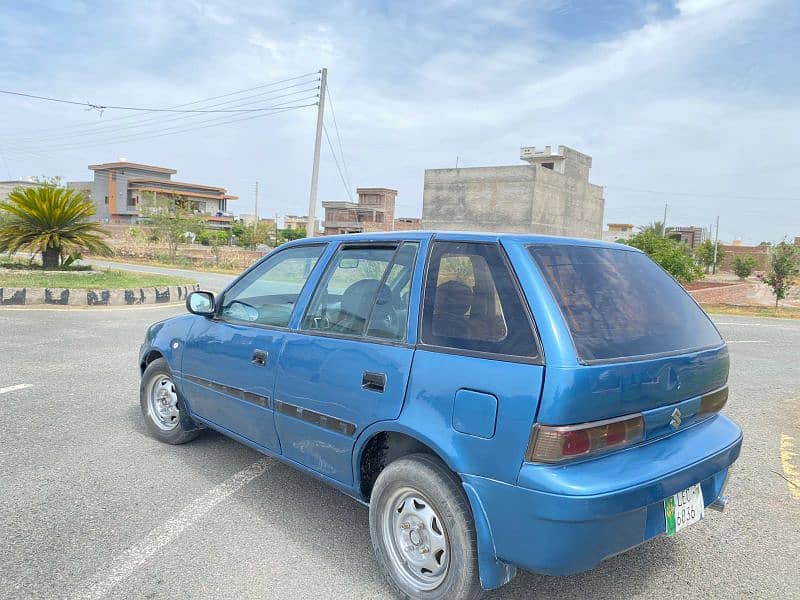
620	304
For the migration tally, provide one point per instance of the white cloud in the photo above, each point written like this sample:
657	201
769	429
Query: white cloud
417	85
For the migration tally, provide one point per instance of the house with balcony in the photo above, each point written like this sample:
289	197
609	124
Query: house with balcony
374	211
120	190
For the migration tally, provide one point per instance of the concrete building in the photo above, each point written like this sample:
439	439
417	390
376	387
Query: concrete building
691	236
6	187
618	231
550	195
374	211
297	222
120	189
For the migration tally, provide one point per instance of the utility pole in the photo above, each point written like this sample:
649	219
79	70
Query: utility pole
716	242
312	199
255	221
664	222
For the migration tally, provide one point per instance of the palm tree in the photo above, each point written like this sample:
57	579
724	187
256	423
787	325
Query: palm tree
51	220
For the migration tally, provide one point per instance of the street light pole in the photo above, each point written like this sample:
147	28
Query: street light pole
716	243
312	199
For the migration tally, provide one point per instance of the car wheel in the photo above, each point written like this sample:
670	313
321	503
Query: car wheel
161	405
422	531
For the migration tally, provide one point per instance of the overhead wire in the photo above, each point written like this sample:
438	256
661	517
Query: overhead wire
336	161
338	138
103	128
185	127
160	121
103	107
192	103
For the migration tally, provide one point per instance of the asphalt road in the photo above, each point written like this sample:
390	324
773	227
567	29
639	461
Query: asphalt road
91	507
213	282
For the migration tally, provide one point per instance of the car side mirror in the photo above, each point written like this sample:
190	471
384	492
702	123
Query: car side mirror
200	303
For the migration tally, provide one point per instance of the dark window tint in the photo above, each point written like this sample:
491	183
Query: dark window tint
471	302
268	293
364	284
619	303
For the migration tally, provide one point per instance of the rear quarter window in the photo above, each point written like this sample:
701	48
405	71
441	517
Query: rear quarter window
620	304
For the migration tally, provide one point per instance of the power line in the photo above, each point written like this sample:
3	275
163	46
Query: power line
83	126
341	175
102	107
160	120
339	139
194	126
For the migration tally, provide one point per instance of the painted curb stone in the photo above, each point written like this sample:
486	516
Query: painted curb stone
100	297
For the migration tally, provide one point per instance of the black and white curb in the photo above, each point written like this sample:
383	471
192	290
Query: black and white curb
99	297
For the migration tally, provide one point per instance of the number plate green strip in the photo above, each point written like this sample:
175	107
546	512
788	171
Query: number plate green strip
669	513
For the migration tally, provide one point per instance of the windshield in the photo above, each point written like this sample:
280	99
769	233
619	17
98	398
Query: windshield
620	304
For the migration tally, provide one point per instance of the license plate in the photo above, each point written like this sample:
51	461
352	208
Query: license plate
683	509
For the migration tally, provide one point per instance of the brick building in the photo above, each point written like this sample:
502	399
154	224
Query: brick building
374	211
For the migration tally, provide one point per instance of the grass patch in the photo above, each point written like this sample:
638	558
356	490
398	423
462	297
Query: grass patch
185	264
88	280
781	312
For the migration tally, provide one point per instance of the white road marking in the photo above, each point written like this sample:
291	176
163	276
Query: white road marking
14	388
124	565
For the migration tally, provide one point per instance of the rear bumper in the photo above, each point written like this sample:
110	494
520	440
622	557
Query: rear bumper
563	519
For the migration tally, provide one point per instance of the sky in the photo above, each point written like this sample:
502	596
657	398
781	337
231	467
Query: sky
692	103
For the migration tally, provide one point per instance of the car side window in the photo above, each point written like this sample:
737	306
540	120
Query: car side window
268	293
472	303
364	292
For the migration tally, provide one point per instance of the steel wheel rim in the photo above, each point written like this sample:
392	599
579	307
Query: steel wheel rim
162	403
416	539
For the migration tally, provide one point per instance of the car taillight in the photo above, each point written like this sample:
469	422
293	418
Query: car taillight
714	402
552	444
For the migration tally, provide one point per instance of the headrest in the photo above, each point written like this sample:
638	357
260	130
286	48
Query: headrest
453	298
357	298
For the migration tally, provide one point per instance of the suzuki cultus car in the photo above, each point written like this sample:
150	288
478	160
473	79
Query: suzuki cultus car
499	401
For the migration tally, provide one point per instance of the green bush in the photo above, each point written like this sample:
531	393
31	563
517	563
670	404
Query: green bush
674	257
743	266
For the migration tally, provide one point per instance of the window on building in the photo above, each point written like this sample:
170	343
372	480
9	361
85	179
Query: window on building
471	302
106	200
550	166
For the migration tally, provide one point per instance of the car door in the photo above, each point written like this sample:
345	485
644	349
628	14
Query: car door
229	361
478	369
347	366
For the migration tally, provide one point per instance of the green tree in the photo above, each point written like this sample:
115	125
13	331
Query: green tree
287	235
743	266
170	222
783	268
656	228
52	221
705	254
674	257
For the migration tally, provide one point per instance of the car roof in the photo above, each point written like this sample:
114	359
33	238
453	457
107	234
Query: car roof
470	236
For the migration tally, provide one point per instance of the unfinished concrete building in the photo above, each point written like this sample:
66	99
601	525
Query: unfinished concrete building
550	195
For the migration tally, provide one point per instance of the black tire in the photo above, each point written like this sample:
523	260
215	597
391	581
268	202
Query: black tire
182	429
436	484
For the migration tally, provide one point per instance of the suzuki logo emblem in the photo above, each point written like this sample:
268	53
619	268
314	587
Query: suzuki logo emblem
676	419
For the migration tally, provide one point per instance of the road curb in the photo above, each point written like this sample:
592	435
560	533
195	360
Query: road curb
95	297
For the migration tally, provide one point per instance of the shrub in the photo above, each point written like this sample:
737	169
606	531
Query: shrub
674	257
743	266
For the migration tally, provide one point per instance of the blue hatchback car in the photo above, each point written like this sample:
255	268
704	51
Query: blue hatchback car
499	401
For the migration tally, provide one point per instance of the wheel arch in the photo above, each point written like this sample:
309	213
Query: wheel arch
370	457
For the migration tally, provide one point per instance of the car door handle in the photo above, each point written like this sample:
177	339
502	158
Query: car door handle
373	382
260	358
